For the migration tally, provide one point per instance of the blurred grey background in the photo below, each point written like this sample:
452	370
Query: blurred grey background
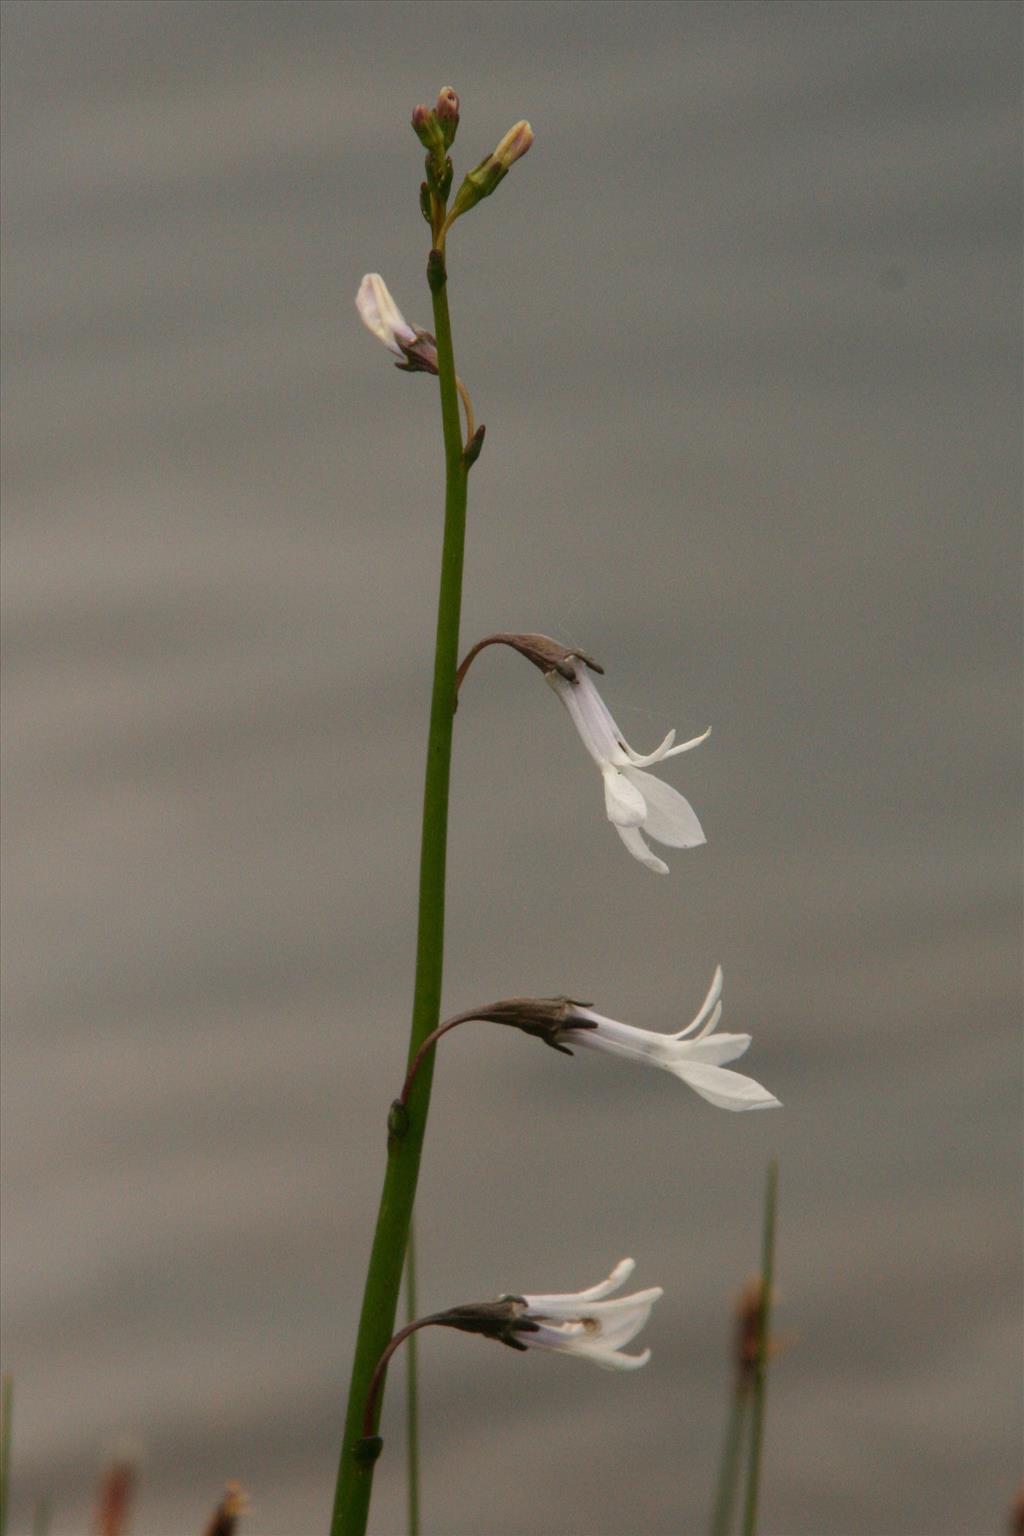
744	329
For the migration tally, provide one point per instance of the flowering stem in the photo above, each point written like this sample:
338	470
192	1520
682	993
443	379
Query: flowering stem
387	1257
761	1367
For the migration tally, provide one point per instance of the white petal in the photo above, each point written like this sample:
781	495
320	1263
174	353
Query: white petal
621	1321
618	1277
640	760
708	1006
688	746
611	1360
727	1090
598	731
591	1039
715	1049
709	1023
623	802
596	706
555	1335
381	315
665	750
625	1037
670	818
639	849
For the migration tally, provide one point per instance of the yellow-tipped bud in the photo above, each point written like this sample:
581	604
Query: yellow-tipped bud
481	182
514	145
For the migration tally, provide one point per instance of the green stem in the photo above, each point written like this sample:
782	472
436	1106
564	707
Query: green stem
761	1369
728	1471
412	1390
6	1405
387	1256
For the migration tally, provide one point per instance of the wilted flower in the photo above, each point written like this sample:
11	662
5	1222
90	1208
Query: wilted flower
698	1061
417	350
635	801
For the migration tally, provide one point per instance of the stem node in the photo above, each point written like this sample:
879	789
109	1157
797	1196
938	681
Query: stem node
471	452
367	1449
398	1120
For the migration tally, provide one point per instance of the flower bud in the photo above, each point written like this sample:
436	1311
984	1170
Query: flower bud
481	182
514	145
447	114
424	126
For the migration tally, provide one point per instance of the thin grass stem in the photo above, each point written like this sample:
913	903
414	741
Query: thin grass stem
729	1467
6	1410
761	1370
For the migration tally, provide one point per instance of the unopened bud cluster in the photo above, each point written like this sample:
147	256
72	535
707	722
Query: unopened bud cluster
436	127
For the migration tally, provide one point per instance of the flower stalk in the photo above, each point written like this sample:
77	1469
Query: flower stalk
387	1257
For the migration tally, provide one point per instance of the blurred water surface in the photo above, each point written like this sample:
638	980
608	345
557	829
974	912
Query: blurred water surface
744	329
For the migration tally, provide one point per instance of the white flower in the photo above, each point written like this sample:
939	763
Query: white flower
633	799
584	1323
697	1061
416	350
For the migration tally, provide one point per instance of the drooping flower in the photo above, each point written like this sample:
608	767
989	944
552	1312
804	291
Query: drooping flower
695	1055
633	799
581	1323
416	350
636	802
585	1323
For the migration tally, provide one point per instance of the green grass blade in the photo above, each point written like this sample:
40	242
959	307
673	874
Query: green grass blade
761	1372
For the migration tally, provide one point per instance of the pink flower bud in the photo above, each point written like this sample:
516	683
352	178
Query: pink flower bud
514	145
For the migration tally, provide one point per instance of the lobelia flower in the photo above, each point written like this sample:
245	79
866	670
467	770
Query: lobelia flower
416	350
695	1055
636	802
633	799
580	1323
584	1323
562	1022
